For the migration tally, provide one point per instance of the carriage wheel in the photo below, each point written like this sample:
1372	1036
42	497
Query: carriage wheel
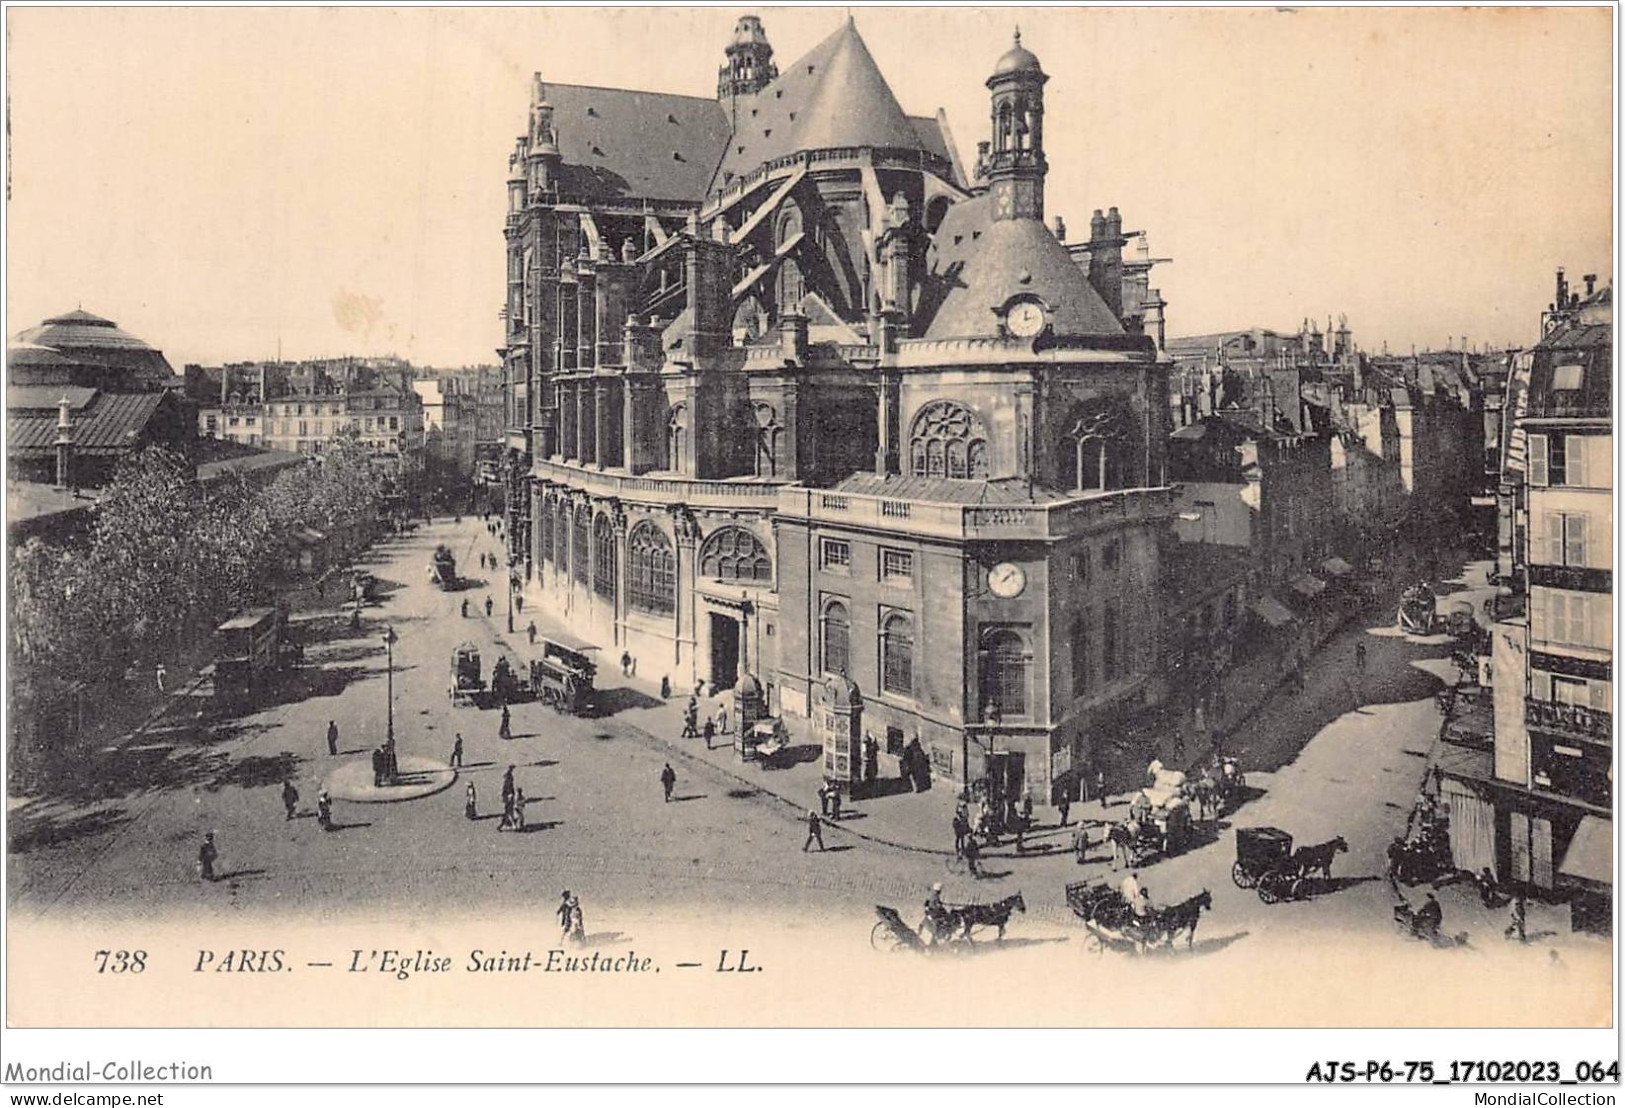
884	938
1243	879
1296	890
1267	889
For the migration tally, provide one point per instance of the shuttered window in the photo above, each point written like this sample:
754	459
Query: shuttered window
1537	460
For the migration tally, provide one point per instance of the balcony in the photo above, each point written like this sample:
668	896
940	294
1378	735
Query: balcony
980	522
1575	720
663	489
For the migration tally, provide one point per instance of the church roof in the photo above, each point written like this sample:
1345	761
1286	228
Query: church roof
832	96
977	263
622	143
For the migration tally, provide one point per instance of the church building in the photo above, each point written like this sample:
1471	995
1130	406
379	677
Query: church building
798	406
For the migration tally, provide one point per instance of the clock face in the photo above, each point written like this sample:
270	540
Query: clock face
1025	319
1006	580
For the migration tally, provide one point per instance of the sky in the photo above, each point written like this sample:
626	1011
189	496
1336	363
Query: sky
231	184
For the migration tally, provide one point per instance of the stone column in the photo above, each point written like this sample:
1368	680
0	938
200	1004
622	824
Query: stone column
603	448
584	446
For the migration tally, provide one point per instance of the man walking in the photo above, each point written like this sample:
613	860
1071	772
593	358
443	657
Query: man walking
519	810
206	855
691	719
1064	802
871	760
961	830
815	831
324	810
488	607
332	737
668	781
1359	656
530	631
457	751
505	728
469	802
507	787
290	799
710	731
626	663
1515	929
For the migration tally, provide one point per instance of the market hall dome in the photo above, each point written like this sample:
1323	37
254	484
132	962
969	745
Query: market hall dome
88	340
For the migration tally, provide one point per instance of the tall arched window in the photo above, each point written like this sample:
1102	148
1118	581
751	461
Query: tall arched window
676	436
1095	435
581	544
768	430
948	440
651	581
603	557
791	288
1080	655
547	532
561	536
734	554
897	654
837	639
1006	663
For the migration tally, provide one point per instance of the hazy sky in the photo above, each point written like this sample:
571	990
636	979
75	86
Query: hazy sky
218	180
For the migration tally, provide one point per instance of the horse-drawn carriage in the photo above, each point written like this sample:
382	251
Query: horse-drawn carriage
467	684
1418	610
1113	924
1159	819
443	568
563	676
506	687
1265	860
945	925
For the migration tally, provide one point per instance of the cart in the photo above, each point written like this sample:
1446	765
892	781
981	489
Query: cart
467	686
443	568
1264	861
1109	919
562	677
891	933
766	744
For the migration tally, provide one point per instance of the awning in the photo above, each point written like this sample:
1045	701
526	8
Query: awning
1272	611
1308	585
1590	855
1336	566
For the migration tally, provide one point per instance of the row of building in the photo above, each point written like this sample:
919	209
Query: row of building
799	404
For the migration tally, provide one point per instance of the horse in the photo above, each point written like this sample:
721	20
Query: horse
996	914
1204	795
1183	916
1310	859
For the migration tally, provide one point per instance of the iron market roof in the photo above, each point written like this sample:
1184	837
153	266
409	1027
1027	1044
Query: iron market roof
111	423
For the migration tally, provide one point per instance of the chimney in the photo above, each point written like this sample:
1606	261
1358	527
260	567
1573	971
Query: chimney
64	444
1591	283
1106	258
1562	290
1060	229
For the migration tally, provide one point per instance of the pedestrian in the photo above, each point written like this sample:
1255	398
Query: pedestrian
290	799
505	728
457	751
1130	887
1515	929
1026	807
699	688
1080	842
530	631
665	688
378	767
566	916
465	607
626	663
834	802
961	831
324	810
723	723
470	800
1064	801
871	760
392	768
1100	787
1359	656
488	607
506	822
206	855
973	854
1020	826
691	718
519	606
578	925
668	781
507	786
710	731
905	771
823	799
519	810
332	737
815	831
163	678
1199	724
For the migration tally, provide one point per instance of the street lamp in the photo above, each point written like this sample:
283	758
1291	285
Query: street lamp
390	639
510	591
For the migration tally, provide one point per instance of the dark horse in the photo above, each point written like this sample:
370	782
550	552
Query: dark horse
1318	858
1183	917
996	914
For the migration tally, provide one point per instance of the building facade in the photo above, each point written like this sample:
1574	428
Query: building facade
798	406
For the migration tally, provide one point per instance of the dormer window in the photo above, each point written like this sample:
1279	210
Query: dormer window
591	110
767	132
670	118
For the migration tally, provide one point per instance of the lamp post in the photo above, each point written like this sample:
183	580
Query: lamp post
390	639
510	591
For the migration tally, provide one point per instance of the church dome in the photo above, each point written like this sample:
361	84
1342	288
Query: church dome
1017	59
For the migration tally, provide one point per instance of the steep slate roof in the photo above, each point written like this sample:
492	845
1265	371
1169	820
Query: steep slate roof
1587	345
621	143
46	397
976	263
110	425
834	95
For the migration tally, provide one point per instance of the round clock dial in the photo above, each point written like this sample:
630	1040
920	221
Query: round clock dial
1025	319
1006	580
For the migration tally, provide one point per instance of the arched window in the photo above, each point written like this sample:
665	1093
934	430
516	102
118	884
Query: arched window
561	536
897	654
1080	655
948	440
581	544
547	532
768	430
734	554
651	583
1095	434
676	436
837	639
1006	663
603	553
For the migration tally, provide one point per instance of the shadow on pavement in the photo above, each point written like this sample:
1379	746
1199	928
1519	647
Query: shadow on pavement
608	702
31	831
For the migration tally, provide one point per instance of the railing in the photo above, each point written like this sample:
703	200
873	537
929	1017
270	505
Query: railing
976	521
1570	719
661	490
